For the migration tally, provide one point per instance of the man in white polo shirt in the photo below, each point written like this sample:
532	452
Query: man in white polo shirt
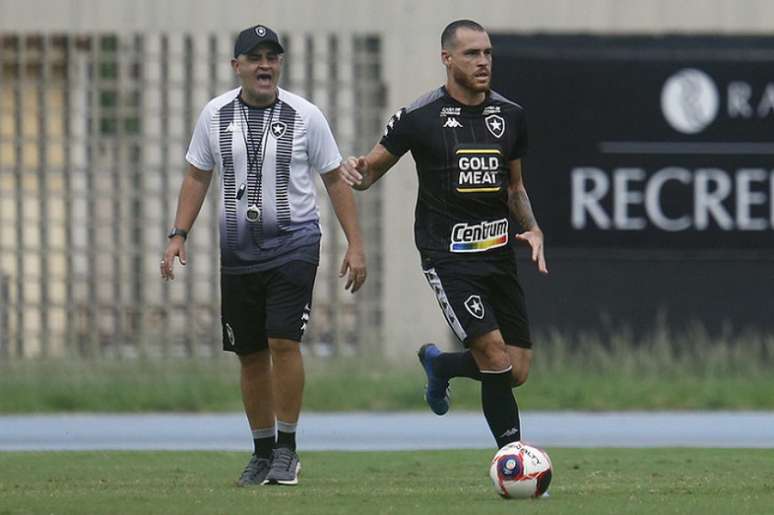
266	142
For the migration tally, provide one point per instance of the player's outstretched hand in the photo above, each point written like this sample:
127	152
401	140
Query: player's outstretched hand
353	171
176	247
535	240
354	261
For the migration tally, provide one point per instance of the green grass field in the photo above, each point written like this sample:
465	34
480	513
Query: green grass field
586	481
688	371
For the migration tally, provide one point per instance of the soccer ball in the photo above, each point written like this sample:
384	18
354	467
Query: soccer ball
520	471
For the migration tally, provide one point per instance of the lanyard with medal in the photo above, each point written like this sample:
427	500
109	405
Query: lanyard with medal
254	164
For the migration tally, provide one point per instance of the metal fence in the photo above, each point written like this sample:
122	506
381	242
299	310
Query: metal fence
93	132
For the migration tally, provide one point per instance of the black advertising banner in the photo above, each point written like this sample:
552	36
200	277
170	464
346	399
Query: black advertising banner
646	142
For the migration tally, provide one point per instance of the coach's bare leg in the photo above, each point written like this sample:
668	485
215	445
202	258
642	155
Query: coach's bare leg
288	378
256	385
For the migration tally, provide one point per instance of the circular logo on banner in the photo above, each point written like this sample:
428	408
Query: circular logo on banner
689	101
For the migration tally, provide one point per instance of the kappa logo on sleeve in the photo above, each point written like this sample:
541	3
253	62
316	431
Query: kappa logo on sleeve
393	120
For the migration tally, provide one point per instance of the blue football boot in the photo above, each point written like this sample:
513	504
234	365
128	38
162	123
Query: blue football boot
437	388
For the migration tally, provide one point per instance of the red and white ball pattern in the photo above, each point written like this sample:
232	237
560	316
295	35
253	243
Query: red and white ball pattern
519	471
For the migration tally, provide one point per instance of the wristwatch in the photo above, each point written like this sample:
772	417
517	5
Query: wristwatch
177	232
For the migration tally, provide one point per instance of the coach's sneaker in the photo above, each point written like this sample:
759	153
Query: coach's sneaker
284	467
437	388
255	472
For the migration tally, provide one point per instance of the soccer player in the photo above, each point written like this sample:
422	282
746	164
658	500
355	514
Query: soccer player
266	142
468	142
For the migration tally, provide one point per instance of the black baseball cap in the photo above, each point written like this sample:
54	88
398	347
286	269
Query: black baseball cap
254	36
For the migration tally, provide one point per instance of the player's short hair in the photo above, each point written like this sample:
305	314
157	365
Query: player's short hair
448	36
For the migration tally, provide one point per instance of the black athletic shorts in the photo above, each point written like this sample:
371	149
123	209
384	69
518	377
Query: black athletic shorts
479	296
275	303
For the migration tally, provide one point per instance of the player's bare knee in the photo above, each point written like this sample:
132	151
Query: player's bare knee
492	358
518	376
521	358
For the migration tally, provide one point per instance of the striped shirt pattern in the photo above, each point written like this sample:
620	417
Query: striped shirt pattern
271	153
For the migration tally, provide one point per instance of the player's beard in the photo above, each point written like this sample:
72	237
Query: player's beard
469	82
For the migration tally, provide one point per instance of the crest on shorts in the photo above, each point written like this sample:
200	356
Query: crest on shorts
230	334
278	129
496	125
475	307
261	31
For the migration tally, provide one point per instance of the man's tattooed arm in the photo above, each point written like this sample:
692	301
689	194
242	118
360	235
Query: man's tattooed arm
521	209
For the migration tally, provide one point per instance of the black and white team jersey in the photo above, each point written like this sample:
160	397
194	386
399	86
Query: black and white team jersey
462	155
266	157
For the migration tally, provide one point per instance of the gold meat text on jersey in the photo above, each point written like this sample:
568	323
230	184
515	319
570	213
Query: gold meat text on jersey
479	170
